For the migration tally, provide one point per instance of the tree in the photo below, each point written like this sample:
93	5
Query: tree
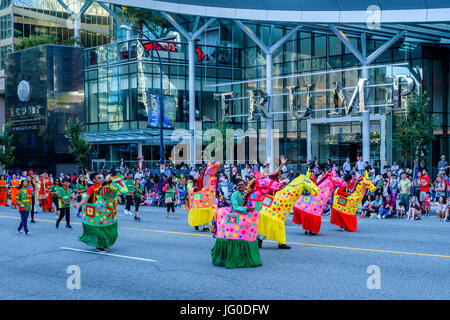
415	128
7	149
35	40
78	147
141	17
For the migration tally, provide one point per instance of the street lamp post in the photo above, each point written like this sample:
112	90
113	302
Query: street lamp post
161	109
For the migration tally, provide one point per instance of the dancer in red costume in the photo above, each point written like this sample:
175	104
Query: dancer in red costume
45	197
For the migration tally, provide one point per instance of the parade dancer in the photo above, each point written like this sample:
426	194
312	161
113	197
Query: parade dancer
138	192
238	251
14	187
308	209
275	209
100	211
24	202
345	204
64	198
32	190
80	189
3	191
54	192
169	197
202	202
343	191
45	197
130	183
236	233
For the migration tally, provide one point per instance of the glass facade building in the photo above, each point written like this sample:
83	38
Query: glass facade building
43	90
21	18
116	86
120	79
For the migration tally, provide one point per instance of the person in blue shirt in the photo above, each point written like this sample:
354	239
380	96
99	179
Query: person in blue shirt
346	166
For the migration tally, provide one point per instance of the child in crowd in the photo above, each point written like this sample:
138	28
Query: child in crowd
149	199
386	192
387	209
441	208
222	201
367	207
376	205
414	209
426	203
400	209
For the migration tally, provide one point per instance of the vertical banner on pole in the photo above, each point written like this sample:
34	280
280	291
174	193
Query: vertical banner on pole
170	104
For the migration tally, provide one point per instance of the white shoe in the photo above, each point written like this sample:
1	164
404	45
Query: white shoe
378	217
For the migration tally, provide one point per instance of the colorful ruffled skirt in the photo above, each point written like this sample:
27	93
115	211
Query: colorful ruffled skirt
99	237
236	253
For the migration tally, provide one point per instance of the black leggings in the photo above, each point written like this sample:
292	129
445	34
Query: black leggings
128	200
55	202
171	205
137	203
33	200
64	212
80	208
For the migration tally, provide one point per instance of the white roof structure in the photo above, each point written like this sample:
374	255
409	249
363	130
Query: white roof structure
305	11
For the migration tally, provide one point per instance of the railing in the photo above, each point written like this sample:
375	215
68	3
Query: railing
169	51
152	165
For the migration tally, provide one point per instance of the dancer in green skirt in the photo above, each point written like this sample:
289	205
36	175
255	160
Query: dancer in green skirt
235	243
100	210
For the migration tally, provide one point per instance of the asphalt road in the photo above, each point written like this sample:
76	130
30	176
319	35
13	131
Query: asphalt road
161	258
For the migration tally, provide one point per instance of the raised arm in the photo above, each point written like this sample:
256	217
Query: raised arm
82	202
277	173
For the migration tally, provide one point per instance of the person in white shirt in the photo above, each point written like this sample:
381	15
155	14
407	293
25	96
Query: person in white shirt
138	175
223	182
245	171
395	167
360	165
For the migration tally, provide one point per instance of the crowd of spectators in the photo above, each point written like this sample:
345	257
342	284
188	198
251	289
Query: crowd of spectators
401	192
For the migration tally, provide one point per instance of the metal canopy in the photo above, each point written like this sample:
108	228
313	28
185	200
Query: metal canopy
147	136
304	11
424	20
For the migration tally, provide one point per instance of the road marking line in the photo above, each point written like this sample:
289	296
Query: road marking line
294	243
363	249
109	254
164	231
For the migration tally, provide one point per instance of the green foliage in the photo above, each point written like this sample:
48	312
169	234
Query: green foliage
415	128
72	41
140	16
6	147
34	41
37	40
78	147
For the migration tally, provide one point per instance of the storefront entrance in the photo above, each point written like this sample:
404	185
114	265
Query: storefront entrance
341	138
